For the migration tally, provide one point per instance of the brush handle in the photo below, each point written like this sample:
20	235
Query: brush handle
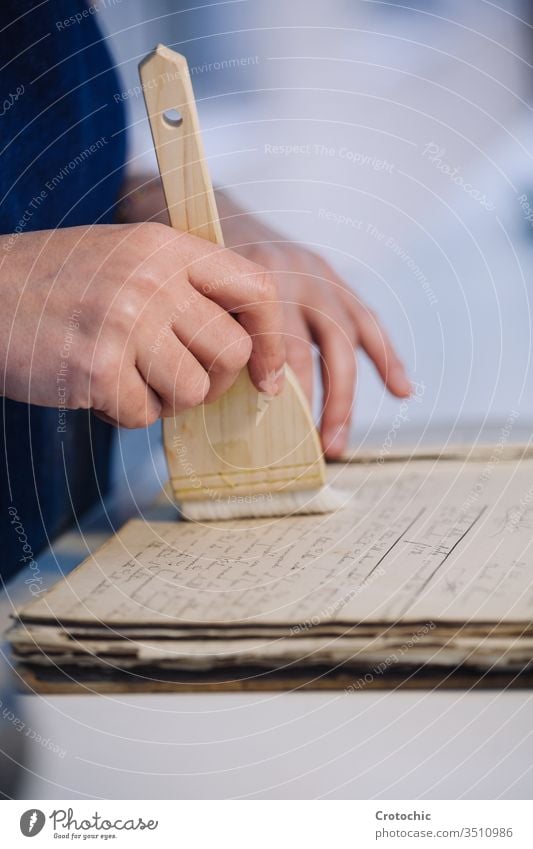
244	443
173	117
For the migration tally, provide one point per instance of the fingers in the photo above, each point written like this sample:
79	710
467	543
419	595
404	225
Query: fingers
249	292
123	397
263	320
173	373
217	340
194	354
377	345
335	336
299	346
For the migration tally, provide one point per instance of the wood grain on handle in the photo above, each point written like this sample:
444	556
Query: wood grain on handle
245	443
179	149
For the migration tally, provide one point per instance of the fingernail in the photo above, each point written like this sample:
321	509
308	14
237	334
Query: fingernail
400	379
335	440
272	384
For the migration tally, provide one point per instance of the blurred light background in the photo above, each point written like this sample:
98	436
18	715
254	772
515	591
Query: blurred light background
416	120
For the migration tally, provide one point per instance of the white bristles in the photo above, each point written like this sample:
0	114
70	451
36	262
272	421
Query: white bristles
324	500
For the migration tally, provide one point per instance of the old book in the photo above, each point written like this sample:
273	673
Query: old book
427	563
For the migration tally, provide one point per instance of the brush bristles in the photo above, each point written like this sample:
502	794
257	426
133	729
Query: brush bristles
324	500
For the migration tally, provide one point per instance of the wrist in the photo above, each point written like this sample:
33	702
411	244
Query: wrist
142	200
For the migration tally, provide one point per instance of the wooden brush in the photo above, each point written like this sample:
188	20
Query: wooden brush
247	454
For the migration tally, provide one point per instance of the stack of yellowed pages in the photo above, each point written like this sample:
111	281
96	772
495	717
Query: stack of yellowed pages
428	564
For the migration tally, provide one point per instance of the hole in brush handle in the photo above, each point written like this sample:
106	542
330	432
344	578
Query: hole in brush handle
173	118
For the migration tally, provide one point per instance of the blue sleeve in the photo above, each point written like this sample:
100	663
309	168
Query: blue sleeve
62	145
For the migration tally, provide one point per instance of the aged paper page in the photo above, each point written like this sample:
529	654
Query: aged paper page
446	541
46	645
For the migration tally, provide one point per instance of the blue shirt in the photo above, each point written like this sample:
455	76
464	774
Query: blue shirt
62	145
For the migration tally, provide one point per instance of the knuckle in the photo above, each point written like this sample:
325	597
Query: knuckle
263	283
235	355
243	350
126	311
151	415
348	370
131	402
343	328
346	362
116	311
153	234
102	377
300	354
151	259
349	334
193	391
137	412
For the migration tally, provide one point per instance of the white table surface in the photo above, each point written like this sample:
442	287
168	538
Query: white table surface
305	745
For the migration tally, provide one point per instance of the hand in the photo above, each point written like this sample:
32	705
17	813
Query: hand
319	308
133	321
